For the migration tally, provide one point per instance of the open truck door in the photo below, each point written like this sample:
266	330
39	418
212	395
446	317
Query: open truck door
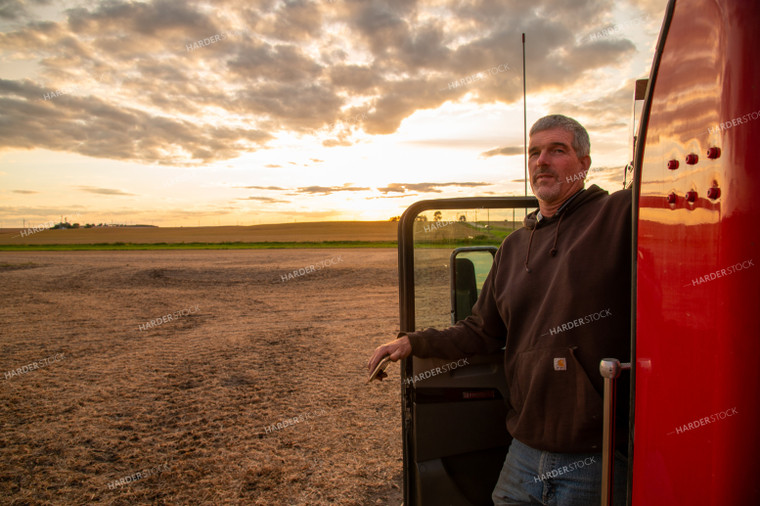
453	414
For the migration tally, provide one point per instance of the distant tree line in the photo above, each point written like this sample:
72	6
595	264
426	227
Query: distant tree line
66	224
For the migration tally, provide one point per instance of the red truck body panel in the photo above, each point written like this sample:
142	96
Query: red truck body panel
697	423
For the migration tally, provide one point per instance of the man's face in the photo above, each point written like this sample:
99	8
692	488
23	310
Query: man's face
554	168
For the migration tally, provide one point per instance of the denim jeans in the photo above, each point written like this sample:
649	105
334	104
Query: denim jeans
555	479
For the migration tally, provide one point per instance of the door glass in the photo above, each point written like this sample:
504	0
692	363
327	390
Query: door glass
469	271
436	235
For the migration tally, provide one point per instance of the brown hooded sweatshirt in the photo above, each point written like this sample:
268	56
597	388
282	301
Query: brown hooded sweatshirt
557	300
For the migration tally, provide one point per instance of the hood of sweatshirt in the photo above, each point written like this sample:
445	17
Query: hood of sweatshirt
535	220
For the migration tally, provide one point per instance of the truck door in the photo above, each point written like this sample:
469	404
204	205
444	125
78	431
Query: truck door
453	412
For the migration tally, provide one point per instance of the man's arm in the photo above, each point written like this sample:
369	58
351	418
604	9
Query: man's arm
482	332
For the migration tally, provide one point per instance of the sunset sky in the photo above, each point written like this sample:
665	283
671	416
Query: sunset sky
299	110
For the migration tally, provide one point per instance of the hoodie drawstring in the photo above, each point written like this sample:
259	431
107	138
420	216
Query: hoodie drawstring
553	251
527	253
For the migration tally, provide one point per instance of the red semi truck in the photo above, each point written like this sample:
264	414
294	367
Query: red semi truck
694	417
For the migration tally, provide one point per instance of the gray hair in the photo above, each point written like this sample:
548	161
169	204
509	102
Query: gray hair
581	143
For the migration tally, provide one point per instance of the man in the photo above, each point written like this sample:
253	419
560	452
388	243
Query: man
557	300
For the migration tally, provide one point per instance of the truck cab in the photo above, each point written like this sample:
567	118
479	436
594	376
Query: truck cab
694	418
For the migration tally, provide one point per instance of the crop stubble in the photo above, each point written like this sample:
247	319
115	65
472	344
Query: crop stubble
197	393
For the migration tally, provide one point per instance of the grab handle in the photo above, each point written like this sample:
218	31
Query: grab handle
610	369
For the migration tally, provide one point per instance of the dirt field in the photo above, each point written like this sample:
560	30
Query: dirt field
281	232
193	403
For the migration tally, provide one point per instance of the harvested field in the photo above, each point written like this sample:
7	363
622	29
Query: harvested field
281	232
193	403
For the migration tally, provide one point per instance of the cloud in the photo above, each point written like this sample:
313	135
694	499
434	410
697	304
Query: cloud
404	196
122	84
331	143
266	199
278	188
328	190
25	192
505	151
105	191
308	190
425	187
121	133
604	110
16	9
355	78
291	21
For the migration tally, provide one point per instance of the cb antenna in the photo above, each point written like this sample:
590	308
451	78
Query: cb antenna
525	121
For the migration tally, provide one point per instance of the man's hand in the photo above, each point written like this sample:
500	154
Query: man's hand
397	349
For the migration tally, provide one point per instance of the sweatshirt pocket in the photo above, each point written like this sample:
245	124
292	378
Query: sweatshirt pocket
555	406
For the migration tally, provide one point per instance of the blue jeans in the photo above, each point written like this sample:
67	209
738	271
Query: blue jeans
555	479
